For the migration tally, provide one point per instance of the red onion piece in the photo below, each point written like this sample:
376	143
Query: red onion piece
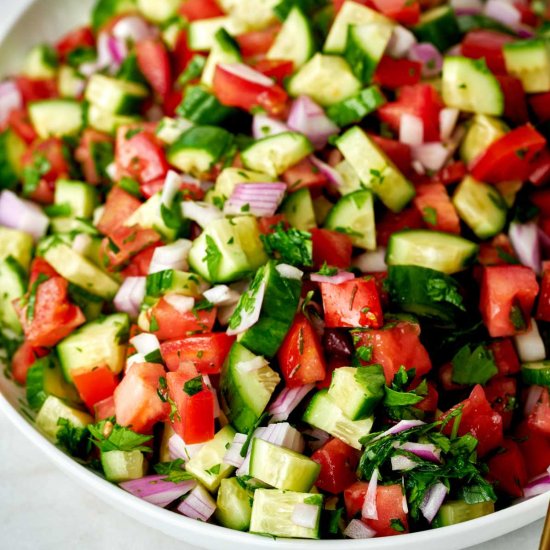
233	454
333	176
250	318
372	262
432	156
202	213
171	256
401	426
448	118
369	510
10	99
433	500
311	120
258	199
537	486
134	28
145	343
177	448
426	451
430	57
26	216
198	504
530	345
525	31
525	241
264	126
182	304
356	529
503	12
340	277
247	73
287	401
400	463
305	515
533	395
130	296
401	41
411	130
156	490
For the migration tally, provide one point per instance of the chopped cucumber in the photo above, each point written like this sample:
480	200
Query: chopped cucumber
458	511
354	109
170	129
80	197
149	216
115	96
230	177
55	408
433	249
323	413
41	62
120	466
536	373
13	285
298	210
470	86
439	27
69	82
529	60
375	169
173	281
481	207
224	50
12	148
202	107
158	11
17	244
207	465
57	117
234	505
353	215
104	121
482	131
202	33
107	9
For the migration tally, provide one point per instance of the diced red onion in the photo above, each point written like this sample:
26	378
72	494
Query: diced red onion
171	256
525	240
530	345
467	7
264	126
305	515
401	41
311	120
289	272
252	365
250	318
533	395
537	486
411	130
333	176
316	438
258	199
81	243
145	343
233	454
426	451
525	31
340	277
182	304
200	212
26	216
130	296
503	12
198	504
245	72
177	448
117	49
430	57
433	500
401	426
134	28
448	117
432	156
172	184
10	99
287	401
369	509
400	463
156	490
356	529
372	262
221	295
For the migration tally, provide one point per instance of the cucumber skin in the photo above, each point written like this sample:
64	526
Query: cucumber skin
536	376
357	107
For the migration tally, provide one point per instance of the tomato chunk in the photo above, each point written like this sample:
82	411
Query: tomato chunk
488	45
22	361
501	392
506	357
338	464
95	385
535	448
331	247
539	417
543	308
507	469
394	73
119	206
434	205
154	63
194	10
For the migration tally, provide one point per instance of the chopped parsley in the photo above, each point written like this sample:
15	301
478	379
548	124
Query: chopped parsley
174	471
473	365
397	525
193	386
327	271
291	246
109	436
33	174
73	439
212	257
429	215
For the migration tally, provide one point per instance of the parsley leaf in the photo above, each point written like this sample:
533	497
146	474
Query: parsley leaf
473	365
327	271
291	246
214	471
193	70
33	174
174	471
108	436
248	301
364	353
429	215
193	386
395	398
213	256
517	319
445	289
371	378
73	439
397	525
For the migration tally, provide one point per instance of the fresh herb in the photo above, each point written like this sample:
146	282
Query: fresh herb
73	439
291	246
473	365
193	70
371	378
445	290
109	436
429	215
193	386
327	271
130	185
54	210
172	217
517	319
132	132
333	520
348	231
212	257
153	324
315	500
33	174
250	434
364	353
399	400
397	525
248	301
80	55
31	304
214	471
174	471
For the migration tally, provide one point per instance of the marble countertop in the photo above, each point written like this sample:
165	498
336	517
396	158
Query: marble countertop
41	509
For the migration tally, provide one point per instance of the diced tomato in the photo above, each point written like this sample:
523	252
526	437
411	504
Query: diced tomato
167	323
206	351
182	53
334	362
478	419
406	12
268	223
105	409
85	155
501	392
139	155
506	299
535	448
171	102
139	264
445	376
507	469
543	308
539	417
506	357
301	356
487	44
95	385
331	247
54	316
19	122
541	199
354	303
22	361
137	401
540	104
78	38
255	43
194	422
421	100
434	205
279	69
389	506
399	153
119	206
391	222
452	173
509	157
394	73
499	251
194	10
40	266
303	174
540	168
36	89
515	102
397	345
528	15
429	403
338	464
154	63
236	90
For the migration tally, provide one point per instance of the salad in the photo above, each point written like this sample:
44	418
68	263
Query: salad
279	265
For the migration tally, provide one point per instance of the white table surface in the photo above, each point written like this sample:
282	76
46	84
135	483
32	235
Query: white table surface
41	509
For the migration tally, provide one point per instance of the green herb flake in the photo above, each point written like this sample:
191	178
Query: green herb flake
193	386
291	246
429	215
109	436
473	365
174	471
212	257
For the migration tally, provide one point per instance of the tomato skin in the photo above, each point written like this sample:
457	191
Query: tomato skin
194	10
353	303
41	266
96	385
83	154
21	362
543	308
489	45
433	198
19	122
255	43
402	11
391	222
300	356
515	102
507	469
119	206
540	168
196	422
154	63
496	252
394	73
303	174
331	247
535	448
479	419
501	162
279	69
502	288
338	464
172	324
182	53
36	89
105	409
206	351
539	417
501	392
506	357
429	403
540	104
452	173
334	362
137	402
81	37
397	345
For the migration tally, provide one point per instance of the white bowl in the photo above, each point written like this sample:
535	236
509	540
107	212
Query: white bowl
47	20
